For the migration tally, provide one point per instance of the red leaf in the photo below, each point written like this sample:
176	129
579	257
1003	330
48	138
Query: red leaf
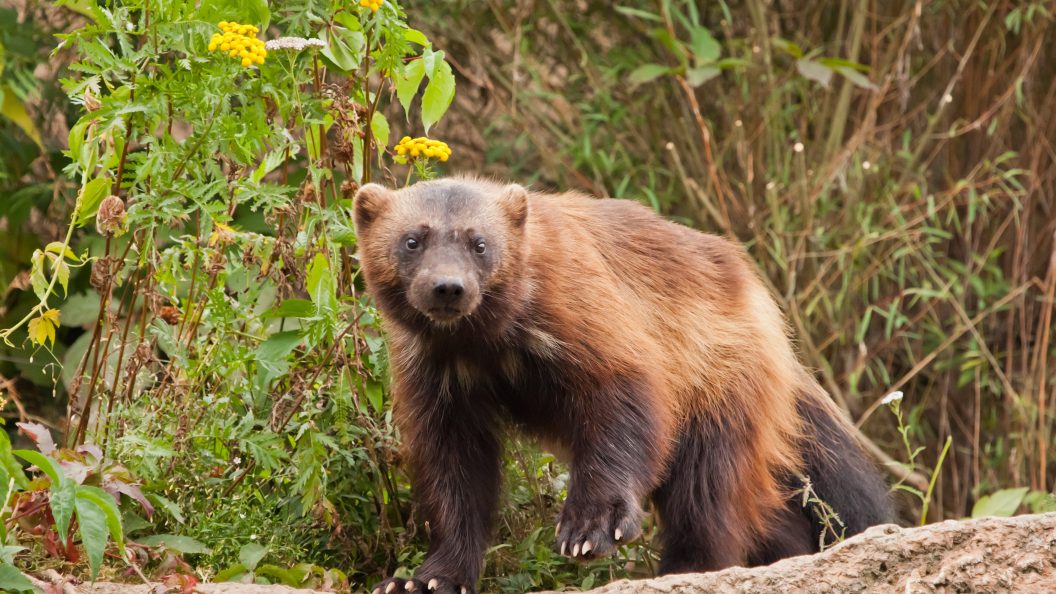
185	582
91	449
118	480
40	436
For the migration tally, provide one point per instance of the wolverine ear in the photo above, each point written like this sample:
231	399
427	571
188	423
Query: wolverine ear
515	201
371	201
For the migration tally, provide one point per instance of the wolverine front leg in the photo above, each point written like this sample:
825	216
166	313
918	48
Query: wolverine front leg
618	447
454	454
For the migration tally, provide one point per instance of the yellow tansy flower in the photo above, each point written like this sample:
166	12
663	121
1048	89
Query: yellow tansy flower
423	147
239	42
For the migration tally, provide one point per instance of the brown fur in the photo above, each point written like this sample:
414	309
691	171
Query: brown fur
614	334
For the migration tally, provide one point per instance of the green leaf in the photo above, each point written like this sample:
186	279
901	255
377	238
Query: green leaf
288	577
313	142
859	79
416	36
180	544
379	126
374	395
259	13
168	505
647	72
344	47
233	573
105	502
93	531
789	47
674	45
279	345
273	353
13	580
75	140
62	272
8	552
36	275
698	76
63	502
13	109
88	8
704	47
438	94
253	12
268	164
320	283
835	63
45	464
8	462
61	249
133	522
407	83
80	309
342	234
1001	504
357	157
641	14
294	308
816	72
251	554
91	197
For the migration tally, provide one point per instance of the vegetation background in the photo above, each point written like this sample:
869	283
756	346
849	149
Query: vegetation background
214	380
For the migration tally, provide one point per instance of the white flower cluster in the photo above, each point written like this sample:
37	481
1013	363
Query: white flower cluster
297	44
892	398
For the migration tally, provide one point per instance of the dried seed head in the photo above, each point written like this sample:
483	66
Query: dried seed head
90	101
170	314
349	188
103	272
110	220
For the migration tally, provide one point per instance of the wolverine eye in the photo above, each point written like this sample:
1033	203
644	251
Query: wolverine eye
480	248
412	243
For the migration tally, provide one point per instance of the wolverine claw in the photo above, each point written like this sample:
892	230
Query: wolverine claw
557	530
376	591
463	590
562	554
575	550
390	588
586	547
410	586
619	534
433	583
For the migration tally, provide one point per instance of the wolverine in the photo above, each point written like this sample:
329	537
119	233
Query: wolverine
650	354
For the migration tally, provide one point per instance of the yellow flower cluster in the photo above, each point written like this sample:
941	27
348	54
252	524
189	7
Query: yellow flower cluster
373	5
239	41
423	147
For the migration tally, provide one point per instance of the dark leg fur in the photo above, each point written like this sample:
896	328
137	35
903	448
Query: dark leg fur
454	453
841	475
615	461
701	529
792	534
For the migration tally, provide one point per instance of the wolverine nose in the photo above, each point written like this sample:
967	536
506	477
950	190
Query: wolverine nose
448	289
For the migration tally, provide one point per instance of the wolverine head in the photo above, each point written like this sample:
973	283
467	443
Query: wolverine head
440	248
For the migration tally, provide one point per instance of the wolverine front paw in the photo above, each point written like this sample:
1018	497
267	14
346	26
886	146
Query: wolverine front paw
588	531
423	585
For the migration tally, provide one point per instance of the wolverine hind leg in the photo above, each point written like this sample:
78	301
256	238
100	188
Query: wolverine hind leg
705	510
